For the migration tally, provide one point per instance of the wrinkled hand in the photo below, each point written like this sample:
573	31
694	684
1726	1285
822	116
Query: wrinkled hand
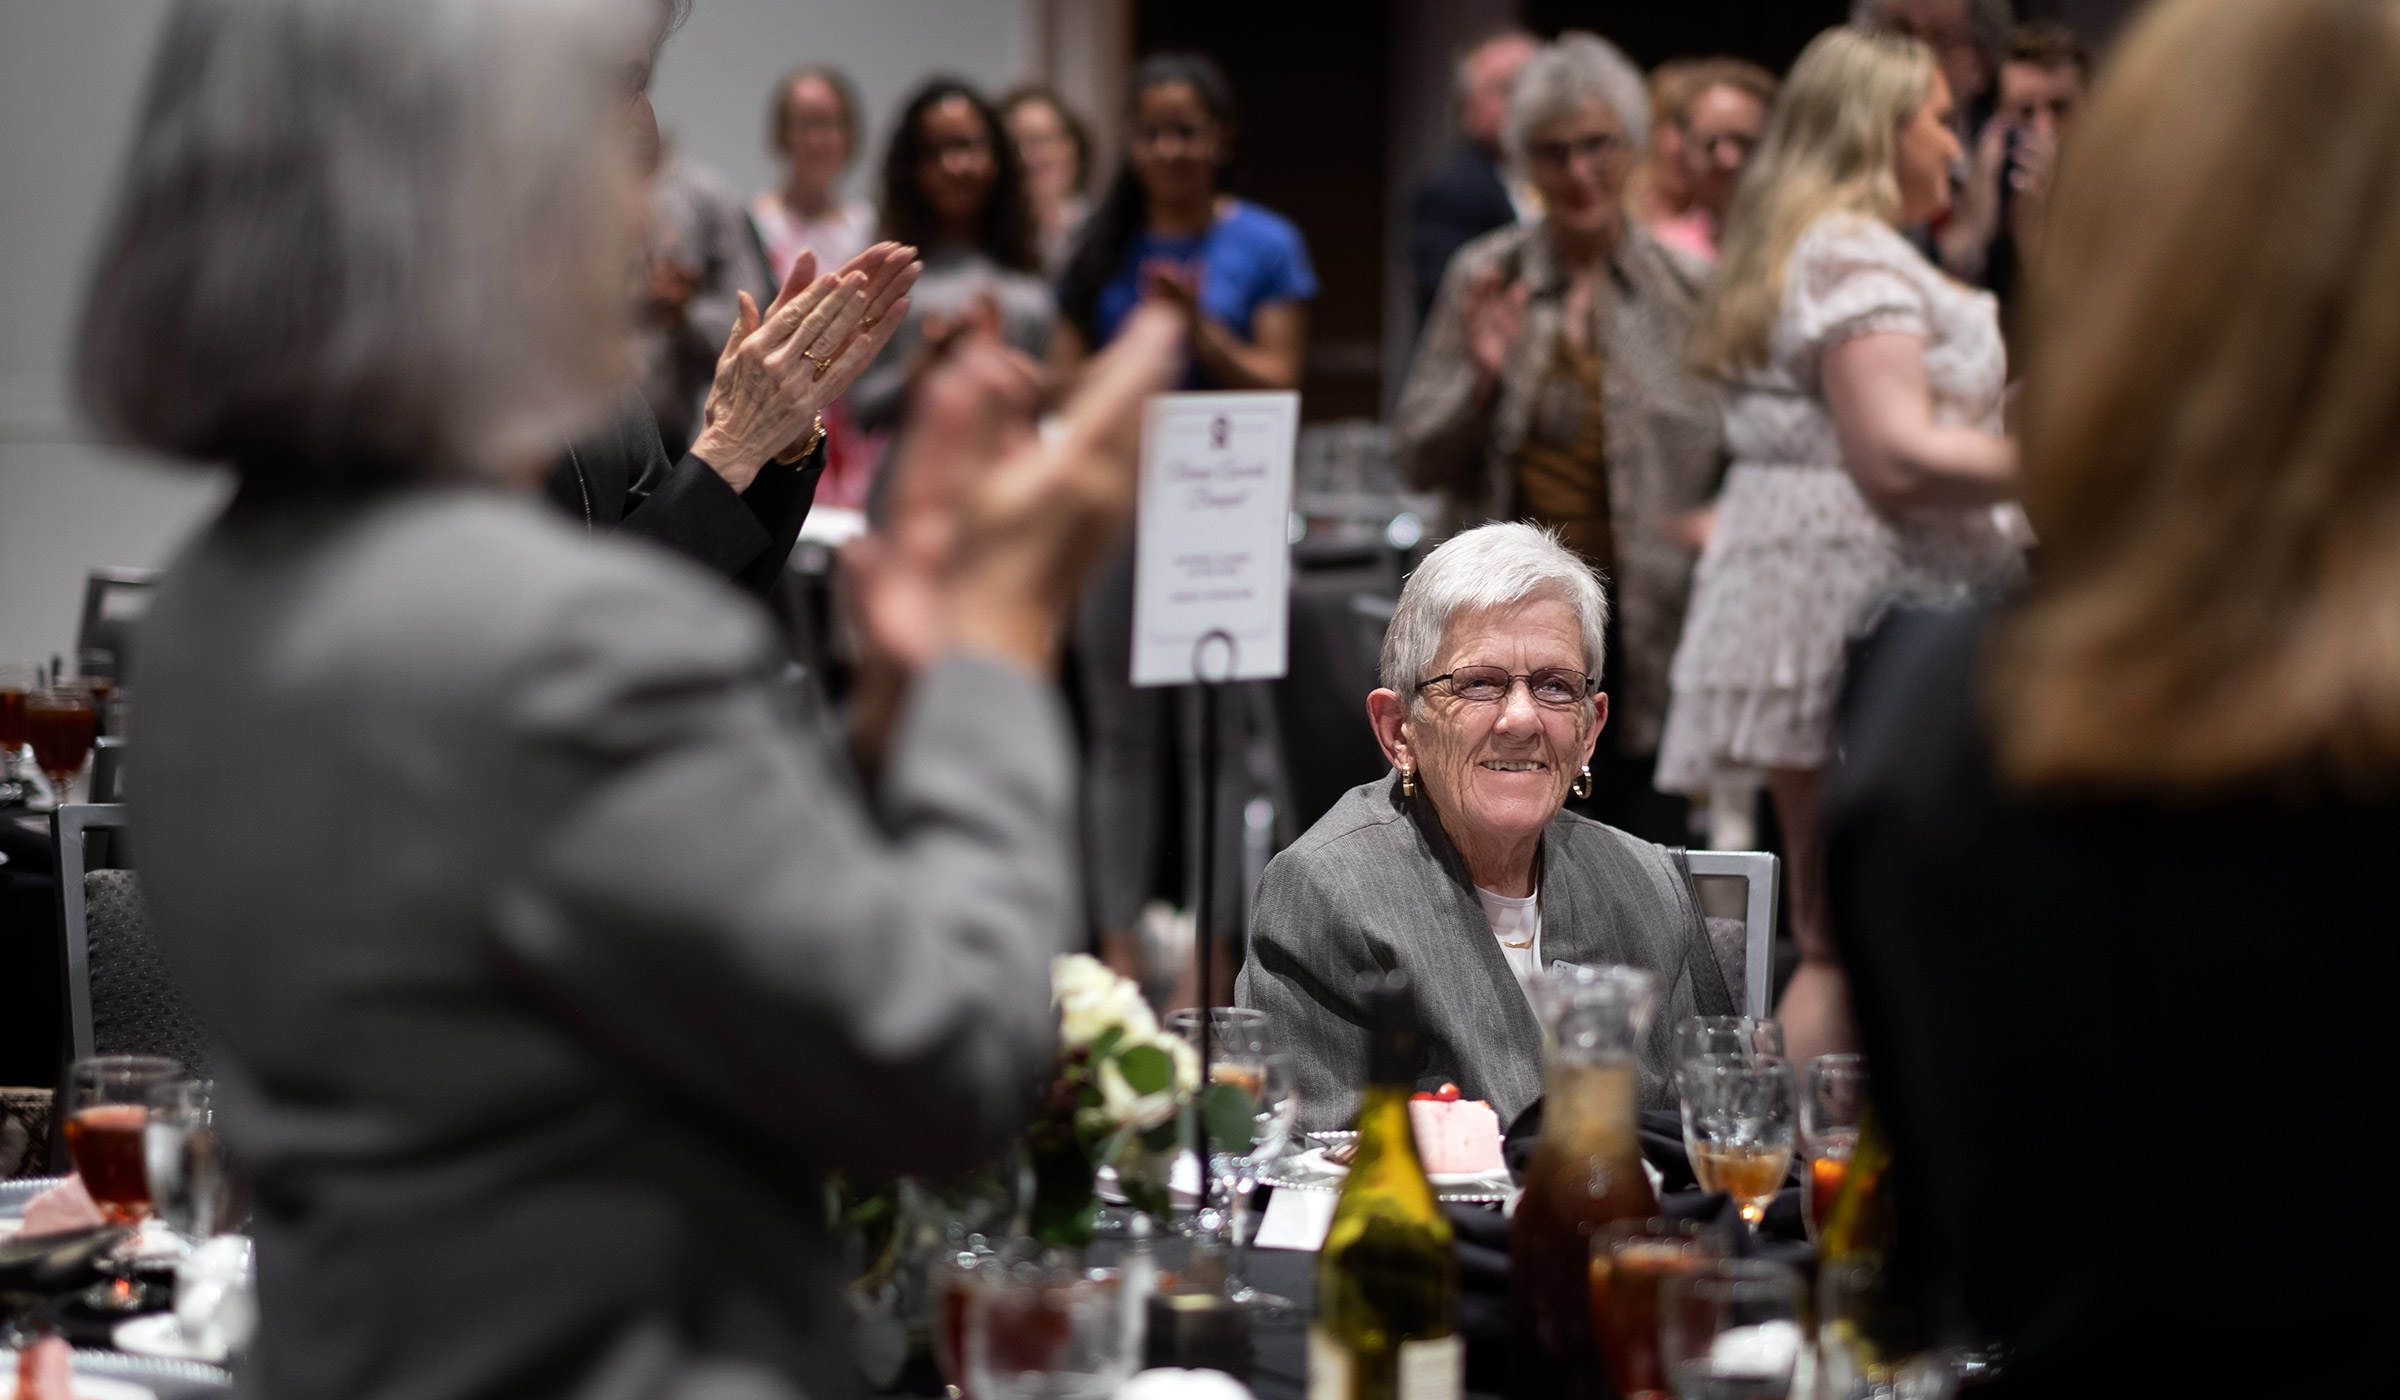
1495	314
781	368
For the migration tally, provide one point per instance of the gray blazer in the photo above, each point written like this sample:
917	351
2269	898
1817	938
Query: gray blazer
554	961
1377	885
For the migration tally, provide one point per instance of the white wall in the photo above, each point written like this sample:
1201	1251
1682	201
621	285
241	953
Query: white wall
69	74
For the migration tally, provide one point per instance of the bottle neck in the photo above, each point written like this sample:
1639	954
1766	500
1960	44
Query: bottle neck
1386	1141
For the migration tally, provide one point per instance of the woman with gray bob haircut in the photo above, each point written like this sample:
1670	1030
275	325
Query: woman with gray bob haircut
528	919
1562	77
1463	869
1549	387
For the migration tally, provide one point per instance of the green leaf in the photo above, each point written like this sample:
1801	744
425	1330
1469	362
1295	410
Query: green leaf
1164	1136
1147	1069
1106	1043
1230	1115
1150	1198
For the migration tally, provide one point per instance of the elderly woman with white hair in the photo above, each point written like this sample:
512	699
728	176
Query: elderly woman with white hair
1549	387
550	957
1463	869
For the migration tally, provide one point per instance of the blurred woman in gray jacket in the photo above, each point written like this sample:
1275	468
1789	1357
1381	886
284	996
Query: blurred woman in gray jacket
551	958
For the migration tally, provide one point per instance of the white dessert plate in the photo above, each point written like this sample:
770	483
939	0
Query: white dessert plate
1310	1171
158	1334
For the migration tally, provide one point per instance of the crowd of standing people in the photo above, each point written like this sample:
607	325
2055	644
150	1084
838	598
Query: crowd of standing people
586	928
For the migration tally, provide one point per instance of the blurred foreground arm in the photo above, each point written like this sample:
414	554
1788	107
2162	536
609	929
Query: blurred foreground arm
868	988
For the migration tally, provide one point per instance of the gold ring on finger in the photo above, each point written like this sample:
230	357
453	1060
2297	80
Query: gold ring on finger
871	320
823	363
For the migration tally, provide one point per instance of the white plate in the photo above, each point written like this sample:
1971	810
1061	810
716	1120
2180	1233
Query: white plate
157	1334
1310	1171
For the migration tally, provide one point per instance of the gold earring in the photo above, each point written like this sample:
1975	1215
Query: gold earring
1408	783
1583	785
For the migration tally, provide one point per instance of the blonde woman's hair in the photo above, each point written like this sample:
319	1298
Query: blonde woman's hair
2212	419
1829	147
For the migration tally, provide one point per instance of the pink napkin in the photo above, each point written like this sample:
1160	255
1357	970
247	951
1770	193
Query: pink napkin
46	1371
64	1207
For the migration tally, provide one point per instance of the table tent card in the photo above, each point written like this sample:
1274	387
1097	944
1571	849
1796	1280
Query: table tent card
1212	543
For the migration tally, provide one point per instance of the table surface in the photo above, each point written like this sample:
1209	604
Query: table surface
171	1380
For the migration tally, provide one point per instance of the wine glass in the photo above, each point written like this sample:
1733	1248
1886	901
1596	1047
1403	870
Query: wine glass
1248	1107
61	723
108	1112
16	683
1739	1120
1731	1328
1833	1091
1696	1036
1045	1332
1630	1260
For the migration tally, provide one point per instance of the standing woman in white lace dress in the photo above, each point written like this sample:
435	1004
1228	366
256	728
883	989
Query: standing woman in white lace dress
1862	394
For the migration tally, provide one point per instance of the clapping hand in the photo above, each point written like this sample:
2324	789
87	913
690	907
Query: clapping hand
1495	317
781	368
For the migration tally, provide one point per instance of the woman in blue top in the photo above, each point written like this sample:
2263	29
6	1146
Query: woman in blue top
1164	231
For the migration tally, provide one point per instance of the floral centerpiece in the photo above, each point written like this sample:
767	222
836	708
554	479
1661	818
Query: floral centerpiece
1116	1101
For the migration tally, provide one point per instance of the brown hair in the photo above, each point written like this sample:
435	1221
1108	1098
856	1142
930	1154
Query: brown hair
2048	45
1675	86
2212	438
779	111
1077	132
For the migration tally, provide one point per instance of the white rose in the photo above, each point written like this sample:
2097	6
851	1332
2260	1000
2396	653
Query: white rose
1124	1106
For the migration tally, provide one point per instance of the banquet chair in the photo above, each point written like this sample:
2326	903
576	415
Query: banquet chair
1754	932
120	999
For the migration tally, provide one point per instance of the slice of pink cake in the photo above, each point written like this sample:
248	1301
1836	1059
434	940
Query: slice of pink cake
1459	1137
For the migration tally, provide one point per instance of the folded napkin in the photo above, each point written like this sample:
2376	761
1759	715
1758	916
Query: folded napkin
62	1209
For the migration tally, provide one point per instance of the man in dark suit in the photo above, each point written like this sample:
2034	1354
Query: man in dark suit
1467	196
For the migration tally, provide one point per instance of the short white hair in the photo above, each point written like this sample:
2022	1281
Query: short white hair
1490	566
358	243
1567	73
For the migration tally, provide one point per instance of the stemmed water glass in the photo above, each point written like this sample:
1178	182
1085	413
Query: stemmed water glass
1739	1123
109	1098
1833	1092
1248	1108
1696	1036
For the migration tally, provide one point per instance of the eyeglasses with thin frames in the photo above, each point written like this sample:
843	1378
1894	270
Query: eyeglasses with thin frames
1557	687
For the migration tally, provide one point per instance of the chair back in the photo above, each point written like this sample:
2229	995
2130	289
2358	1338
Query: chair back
114	601
1758	871
120	999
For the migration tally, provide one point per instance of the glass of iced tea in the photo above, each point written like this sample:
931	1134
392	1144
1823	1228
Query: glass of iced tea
16	683
1833	1092
1740	1120
1630	1260
61	722
108	1107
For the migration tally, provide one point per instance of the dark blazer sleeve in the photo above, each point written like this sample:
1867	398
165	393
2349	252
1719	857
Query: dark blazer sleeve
745	536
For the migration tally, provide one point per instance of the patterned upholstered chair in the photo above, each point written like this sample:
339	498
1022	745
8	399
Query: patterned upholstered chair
120	999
